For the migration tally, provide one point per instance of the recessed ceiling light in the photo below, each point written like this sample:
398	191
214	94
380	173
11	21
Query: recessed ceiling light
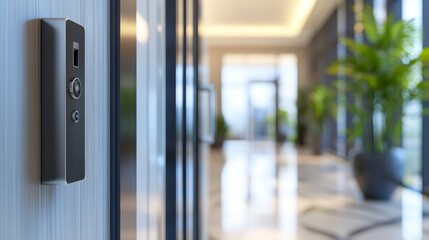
300	15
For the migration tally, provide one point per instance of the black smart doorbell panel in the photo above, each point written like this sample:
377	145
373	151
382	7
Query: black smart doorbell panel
63	101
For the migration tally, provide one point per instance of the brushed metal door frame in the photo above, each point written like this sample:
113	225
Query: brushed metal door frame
182	186
114	119
172	120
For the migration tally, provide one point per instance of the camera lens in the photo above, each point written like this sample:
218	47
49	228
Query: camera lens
75	88
75	116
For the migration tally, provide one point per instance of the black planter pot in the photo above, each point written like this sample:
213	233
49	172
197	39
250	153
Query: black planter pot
219	140
316	144
378	175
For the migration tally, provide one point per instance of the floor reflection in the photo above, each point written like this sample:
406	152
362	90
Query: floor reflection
260	192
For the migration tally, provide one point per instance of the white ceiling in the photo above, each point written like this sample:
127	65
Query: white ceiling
246	12
271	22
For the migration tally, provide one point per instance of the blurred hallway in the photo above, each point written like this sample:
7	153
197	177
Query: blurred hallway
180	120
258	194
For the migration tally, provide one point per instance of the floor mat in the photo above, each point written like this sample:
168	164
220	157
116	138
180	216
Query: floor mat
357	220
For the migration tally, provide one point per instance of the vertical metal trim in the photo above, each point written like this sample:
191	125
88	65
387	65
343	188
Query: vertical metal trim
114	119
395	7
196	184
277	108
349	33
369	2
170	122
184	122
425	120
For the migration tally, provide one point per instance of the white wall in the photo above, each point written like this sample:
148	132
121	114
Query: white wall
29	210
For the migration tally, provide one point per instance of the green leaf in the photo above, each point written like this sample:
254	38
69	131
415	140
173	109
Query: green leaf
369	24
382	74
424	56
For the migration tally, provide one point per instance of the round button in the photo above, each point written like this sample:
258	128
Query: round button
75	116
75	88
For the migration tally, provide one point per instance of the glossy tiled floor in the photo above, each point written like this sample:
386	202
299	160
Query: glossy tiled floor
258	192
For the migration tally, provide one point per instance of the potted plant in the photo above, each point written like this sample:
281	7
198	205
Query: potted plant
283	125
321	105
302	108
222	130
380	76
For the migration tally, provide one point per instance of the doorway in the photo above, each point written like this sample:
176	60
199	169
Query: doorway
258	90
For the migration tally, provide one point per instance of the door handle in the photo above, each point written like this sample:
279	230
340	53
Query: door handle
209	138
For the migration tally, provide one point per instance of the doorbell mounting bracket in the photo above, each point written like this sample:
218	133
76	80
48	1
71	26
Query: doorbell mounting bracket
63	101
